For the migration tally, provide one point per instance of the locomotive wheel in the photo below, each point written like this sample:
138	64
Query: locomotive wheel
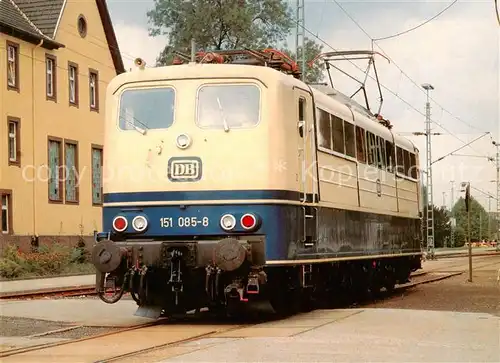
285	303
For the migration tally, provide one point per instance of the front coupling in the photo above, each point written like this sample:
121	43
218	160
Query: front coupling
107	256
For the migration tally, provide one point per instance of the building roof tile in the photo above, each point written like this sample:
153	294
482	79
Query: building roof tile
38	19
11	16
43	13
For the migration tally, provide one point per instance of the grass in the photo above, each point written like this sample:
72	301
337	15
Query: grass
46	261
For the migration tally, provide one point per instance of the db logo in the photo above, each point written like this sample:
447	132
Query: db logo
182	169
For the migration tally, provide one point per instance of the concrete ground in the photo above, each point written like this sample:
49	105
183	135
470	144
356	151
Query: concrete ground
25	323
360	335
46	283
380	331
82	311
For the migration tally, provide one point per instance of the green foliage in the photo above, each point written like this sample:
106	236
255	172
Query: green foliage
482	225
224	24
46	261
314	74
442	228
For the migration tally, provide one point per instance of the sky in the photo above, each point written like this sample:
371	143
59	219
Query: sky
458	53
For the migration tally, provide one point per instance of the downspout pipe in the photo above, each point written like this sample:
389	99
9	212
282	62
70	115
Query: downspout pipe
33	124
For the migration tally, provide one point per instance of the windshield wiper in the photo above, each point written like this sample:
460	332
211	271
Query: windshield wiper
136	128
226	127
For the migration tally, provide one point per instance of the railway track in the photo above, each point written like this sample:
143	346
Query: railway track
89	290
52	292
152	336
162	337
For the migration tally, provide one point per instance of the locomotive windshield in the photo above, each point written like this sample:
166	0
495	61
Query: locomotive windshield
147	109
228	106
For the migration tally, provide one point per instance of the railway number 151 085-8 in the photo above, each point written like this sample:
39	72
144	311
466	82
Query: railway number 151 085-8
168	222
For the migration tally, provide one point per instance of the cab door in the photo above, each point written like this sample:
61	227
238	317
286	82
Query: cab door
308	172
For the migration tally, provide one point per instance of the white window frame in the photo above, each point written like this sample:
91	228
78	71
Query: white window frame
50	76
12	65
72	84
92	85
13	137
5	211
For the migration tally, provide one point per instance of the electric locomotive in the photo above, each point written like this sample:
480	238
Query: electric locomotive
228	184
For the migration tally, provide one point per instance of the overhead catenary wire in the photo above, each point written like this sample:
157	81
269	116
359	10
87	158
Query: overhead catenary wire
387	88
483	192
58	66
418	26
400	69
462	147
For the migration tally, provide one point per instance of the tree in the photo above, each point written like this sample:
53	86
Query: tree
442	223
222	25
314	74
442	226
478	222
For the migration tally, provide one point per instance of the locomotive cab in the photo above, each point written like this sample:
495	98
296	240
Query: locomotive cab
228	184
201	172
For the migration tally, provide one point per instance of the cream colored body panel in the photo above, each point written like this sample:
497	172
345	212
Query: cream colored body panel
270	155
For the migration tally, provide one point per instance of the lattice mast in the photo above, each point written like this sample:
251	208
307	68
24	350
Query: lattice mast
429	211
497	219
300	53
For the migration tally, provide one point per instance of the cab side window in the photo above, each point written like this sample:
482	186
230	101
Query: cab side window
302	115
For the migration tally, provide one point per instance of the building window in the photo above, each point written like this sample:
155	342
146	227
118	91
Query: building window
94	89
50	66
12	66
73	83
82	26
96	175
14	140
71	170
55	166
6	211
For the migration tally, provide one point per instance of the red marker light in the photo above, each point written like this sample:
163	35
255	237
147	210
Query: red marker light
120	224
248	221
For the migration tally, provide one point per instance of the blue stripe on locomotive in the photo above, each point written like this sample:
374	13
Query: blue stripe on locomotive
341	233
177	222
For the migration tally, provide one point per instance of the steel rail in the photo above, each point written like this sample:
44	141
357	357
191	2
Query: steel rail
42	293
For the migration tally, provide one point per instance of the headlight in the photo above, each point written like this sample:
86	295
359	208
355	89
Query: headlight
183	141
228	222
139	223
